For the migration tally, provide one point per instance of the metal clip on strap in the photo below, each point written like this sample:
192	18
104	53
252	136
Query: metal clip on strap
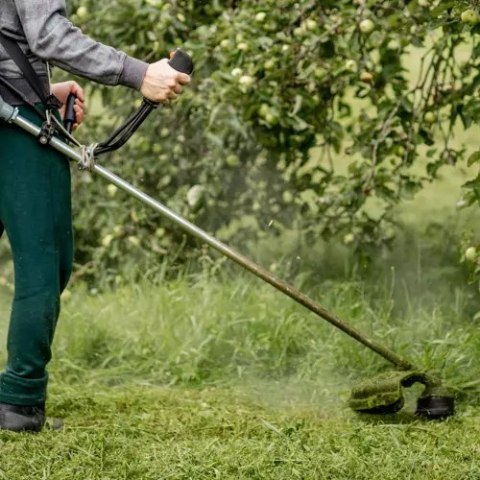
46	133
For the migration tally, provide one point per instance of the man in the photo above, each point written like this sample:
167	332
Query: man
35	205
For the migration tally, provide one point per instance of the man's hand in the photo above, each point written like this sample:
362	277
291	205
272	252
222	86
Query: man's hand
63	90
162	82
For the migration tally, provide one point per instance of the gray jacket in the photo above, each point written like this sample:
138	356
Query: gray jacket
45	34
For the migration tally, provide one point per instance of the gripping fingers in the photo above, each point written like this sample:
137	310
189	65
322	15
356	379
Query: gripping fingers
175	88
183	78
79	114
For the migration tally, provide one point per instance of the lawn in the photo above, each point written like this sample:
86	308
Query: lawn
206	377
157	433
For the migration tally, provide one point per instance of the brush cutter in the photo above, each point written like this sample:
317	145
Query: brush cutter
380	395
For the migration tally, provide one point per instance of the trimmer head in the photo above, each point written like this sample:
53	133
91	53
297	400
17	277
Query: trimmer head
434	403
384	395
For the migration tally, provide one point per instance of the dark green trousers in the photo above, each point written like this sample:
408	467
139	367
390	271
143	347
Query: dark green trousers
35	212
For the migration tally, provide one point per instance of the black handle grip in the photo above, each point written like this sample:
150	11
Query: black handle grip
70	117
181	61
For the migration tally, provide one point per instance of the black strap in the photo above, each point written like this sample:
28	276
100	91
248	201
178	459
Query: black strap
33	79
16	91
121	136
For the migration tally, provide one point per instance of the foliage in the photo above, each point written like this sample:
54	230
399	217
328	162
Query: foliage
317	116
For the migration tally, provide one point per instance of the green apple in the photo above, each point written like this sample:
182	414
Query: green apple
232	160
269	64
351	65
264	110
366	77
470	17
246	80
260	17
271	118
471	254
269	114
349	238
225	43
107	240
196	197
311	24
112	190
367	26
400	151
82	11
320	73
134	240
430	118
287	197
298	31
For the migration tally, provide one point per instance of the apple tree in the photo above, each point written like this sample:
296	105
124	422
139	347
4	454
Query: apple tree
315	116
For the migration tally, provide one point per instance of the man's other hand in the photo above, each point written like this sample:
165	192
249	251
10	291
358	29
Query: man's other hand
63	90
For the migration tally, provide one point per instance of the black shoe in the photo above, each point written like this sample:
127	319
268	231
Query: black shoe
18	418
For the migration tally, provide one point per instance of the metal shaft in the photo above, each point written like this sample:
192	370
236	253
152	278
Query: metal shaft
243	261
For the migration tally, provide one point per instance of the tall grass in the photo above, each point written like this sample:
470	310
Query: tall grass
229	328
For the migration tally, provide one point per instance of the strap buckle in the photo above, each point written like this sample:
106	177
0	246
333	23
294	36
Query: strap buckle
53	103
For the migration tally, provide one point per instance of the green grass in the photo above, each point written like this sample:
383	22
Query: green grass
153	433
222	377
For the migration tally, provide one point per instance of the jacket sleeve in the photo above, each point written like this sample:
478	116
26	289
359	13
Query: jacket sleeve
52	37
